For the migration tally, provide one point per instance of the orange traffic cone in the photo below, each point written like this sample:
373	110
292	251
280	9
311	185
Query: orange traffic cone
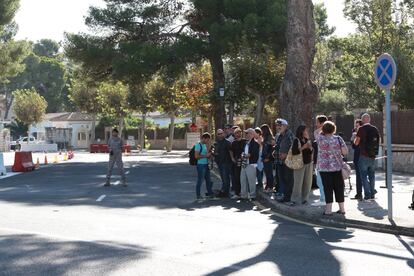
46	160
37	163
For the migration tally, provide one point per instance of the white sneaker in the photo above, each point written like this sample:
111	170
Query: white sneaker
235	197
319	203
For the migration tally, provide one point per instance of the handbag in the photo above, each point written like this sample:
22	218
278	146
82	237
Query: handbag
294	162
345	169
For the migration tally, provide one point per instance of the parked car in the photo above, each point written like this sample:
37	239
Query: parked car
15	145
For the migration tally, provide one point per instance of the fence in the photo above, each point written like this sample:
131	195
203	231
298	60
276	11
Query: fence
401	122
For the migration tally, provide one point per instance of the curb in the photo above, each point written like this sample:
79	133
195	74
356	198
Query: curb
334	221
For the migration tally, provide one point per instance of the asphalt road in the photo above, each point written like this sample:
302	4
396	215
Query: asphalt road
60	220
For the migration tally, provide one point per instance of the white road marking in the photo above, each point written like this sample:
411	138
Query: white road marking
117	182
127	172
9	174
101	198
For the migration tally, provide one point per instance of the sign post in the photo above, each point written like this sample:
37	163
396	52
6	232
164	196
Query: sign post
385	75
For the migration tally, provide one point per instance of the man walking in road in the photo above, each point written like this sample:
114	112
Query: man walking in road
115	156
367	138
250	157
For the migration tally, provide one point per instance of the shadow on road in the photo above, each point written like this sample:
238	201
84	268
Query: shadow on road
32	255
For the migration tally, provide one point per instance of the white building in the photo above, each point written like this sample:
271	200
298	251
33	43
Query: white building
79	123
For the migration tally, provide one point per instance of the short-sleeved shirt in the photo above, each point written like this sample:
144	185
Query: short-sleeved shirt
115	145
329	153
203	148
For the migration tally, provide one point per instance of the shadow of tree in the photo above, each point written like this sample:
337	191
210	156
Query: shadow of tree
33	255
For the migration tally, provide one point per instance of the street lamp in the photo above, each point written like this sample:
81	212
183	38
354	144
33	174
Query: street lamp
221	92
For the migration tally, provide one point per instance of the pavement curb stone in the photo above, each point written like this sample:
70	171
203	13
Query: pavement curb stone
336	221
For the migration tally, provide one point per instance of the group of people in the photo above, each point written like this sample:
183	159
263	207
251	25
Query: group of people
257	160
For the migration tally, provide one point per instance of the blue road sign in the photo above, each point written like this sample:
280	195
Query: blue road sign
385	71
385	75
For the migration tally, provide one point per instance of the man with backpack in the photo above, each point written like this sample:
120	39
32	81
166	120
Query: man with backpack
367	138
199	156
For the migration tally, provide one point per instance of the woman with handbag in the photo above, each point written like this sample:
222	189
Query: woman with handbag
331	149
302	146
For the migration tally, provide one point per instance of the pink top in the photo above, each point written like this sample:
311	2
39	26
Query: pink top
329	153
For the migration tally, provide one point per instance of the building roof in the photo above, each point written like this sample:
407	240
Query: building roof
71	116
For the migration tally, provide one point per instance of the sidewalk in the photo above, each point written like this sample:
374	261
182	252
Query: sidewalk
371	215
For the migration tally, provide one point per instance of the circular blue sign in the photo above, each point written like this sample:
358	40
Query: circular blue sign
385	71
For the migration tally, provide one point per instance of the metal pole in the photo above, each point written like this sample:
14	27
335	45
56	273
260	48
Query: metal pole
389	152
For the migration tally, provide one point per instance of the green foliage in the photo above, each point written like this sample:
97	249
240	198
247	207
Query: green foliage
84	94
332	102
8	9
29	106
113	98
323	30
12	54
46	48
17	128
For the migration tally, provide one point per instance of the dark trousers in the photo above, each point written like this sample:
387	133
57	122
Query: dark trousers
268	169
333	183
225	172
358	178
236	179
285	176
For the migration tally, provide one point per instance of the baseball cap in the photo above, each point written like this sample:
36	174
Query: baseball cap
249	130
280	121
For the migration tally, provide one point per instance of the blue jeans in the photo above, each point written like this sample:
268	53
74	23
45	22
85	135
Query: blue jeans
320	185
268	169
203	173
225	175
259	176
367	171
358	178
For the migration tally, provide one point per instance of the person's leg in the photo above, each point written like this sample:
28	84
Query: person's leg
307	182
209	184
120	166
339	189
251	178
281	175
237	180
371	177
222	175
200	177
288	178
363	169
297	185
358	180
268	169
320	185
328	189
226	179
243	182
111	164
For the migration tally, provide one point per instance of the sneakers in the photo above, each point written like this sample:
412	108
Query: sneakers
107	184
357	197
235	197
124	183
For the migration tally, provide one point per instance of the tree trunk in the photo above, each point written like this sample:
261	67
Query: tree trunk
121	127
93	127
260	104
218	81
142	132
231	113
171	133
298	94
210	121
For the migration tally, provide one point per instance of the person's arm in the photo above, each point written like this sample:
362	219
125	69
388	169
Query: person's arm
295	147
344	148
357	139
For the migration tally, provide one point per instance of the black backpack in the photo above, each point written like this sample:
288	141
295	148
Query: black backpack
191	154
372	141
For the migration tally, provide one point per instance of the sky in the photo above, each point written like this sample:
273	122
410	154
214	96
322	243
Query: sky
39	19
